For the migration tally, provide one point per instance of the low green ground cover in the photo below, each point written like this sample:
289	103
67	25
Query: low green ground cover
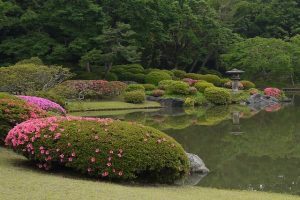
19	180
108	105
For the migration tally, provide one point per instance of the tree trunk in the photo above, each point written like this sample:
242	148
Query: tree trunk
108	67
206	59
88	67
292	79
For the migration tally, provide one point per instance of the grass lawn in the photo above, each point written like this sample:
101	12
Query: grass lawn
19	180
109	105
109	112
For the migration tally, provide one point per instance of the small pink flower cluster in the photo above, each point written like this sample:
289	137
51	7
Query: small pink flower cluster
190	81
44	104
274	92
21	133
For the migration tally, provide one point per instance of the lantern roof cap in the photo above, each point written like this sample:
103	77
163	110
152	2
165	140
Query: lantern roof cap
235	71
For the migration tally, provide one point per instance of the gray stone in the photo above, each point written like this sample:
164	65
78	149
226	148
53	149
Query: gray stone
196	164
259	102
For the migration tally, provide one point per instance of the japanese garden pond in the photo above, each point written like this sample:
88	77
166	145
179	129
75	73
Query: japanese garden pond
243	149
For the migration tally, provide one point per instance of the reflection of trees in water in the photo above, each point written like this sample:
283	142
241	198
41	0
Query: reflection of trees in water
268	150
183	118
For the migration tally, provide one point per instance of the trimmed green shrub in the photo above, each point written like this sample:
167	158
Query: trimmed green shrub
158	93
240	96
189	102
135	97
168	72
135	87
247	84
218	96
200	100
214	79
155	77
253	91
178	87
149	87
101	148
179	73
202	85
111	77
224	81
193	90
164	84
193	76
14	110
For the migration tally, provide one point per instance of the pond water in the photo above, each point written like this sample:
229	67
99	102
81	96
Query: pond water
243	149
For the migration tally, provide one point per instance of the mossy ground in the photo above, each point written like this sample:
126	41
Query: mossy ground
20	180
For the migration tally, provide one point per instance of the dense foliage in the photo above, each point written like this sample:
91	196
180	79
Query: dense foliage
117	40
100	148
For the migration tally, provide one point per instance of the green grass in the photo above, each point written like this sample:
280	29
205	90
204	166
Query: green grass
20	180
108	105
109	112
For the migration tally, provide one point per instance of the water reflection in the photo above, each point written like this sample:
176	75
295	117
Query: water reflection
265	155
236	126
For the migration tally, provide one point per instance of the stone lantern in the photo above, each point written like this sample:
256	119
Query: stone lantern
235	77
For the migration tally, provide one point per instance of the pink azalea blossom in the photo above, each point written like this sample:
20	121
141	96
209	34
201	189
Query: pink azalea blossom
104	174
44	104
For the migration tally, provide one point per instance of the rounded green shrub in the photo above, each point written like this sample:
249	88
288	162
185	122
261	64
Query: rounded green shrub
135	97
189	102
111	77
202	85
218	96
224	81
171	73
149	87
178	87
247	84
193	76
164	84
179	73
101	148
134	87
155	77
211	78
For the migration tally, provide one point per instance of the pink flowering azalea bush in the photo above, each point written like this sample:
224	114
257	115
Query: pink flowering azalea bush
190	81
101	148
274	92
96	89
14	110
44	104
